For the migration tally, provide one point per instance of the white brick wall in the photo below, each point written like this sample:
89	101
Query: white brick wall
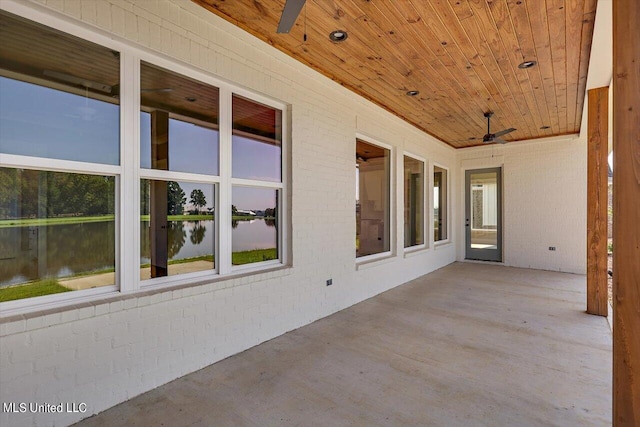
545	201
112	350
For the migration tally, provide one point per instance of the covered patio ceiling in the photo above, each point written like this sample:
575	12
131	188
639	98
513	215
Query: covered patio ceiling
462	56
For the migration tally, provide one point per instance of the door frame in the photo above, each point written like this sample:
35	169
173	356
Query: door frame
482	254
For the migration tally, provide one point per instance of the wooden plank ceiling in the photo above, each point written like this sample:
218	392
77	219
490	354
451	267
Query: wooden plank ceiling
461	55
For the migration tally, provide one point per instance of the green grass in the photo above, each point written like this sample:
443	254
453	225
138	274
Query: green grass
5	223
33	289
201	217
237	258
184	260
256	255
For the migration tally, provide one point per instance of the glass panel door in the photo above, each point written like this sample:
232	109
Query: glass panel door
483	221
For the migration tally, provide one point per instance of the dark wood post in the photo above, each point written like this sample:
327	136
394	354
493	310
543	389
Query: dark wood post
626	209
597	201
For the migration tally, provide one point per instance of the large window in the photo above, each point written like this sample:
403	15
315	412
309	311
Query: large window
166	177
373	199
414	191
257	179
439	204
59	107
179	141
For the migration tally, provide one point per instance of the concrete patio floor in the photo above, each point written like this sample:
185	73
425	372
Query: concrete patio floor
467	345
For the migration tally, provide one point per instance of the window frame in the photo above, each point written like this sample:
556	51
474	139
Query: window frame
392	200
448	203
425	200
129	173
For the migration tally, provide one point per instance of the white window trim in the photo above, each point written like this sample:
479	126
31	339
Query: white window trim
392	200
447	169
128	173
425	200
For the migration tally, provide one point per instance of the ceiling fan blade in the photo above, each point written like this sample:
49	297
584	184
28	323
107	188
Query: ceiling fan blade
78	81
499	141
504	132
289	15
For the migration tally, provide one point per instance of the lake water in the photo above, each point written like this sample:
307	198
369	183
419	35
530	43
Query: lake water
29	253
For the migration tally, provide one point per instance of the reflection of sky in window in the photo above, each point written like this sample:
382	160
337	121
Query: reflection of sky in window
254	159
192	148
252	198
44	122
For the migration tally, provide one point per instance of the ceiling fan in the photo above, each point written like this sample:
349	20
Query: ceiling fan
494	137
289	15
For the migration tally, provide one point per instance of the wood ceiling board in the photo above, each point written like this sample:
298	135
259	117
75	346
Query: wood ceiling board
573	24
540	32
449	89
30	47
483	54
206	104
462	55
487	26
557	36
523	30
457	97
588	25
368	151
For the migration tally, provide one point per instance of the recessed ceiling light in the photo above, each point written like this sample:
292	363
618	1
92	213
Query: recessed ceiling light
190	99
338	36
527	64
545	127
413	92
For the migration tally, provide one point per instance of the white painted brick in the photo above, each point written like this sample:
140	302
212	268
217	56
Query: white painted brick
117	20
73	8
13	327
103	14
89	11
116	306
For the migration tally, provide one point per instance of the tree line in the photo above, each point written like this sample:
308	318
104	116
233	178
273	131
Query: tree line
45	194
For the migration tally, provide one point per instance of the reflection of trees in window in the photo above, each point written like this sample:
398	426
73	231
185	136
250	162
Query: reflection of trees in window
39	194
197	199
176	199
176	236
197	233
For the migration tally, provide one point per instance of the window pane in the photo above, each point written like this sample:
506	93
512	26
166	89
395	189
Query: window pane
57	232
177	230
373	195
257	141
179	122
60	96
413	202
254	221
484	210
439	204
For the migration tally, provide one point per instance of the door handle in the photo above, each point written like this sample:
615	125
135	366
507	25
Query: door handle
467	223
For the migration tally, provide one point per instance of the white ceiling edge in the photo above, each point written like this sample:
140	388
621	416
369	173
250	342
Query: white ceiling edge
601	60
600	71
